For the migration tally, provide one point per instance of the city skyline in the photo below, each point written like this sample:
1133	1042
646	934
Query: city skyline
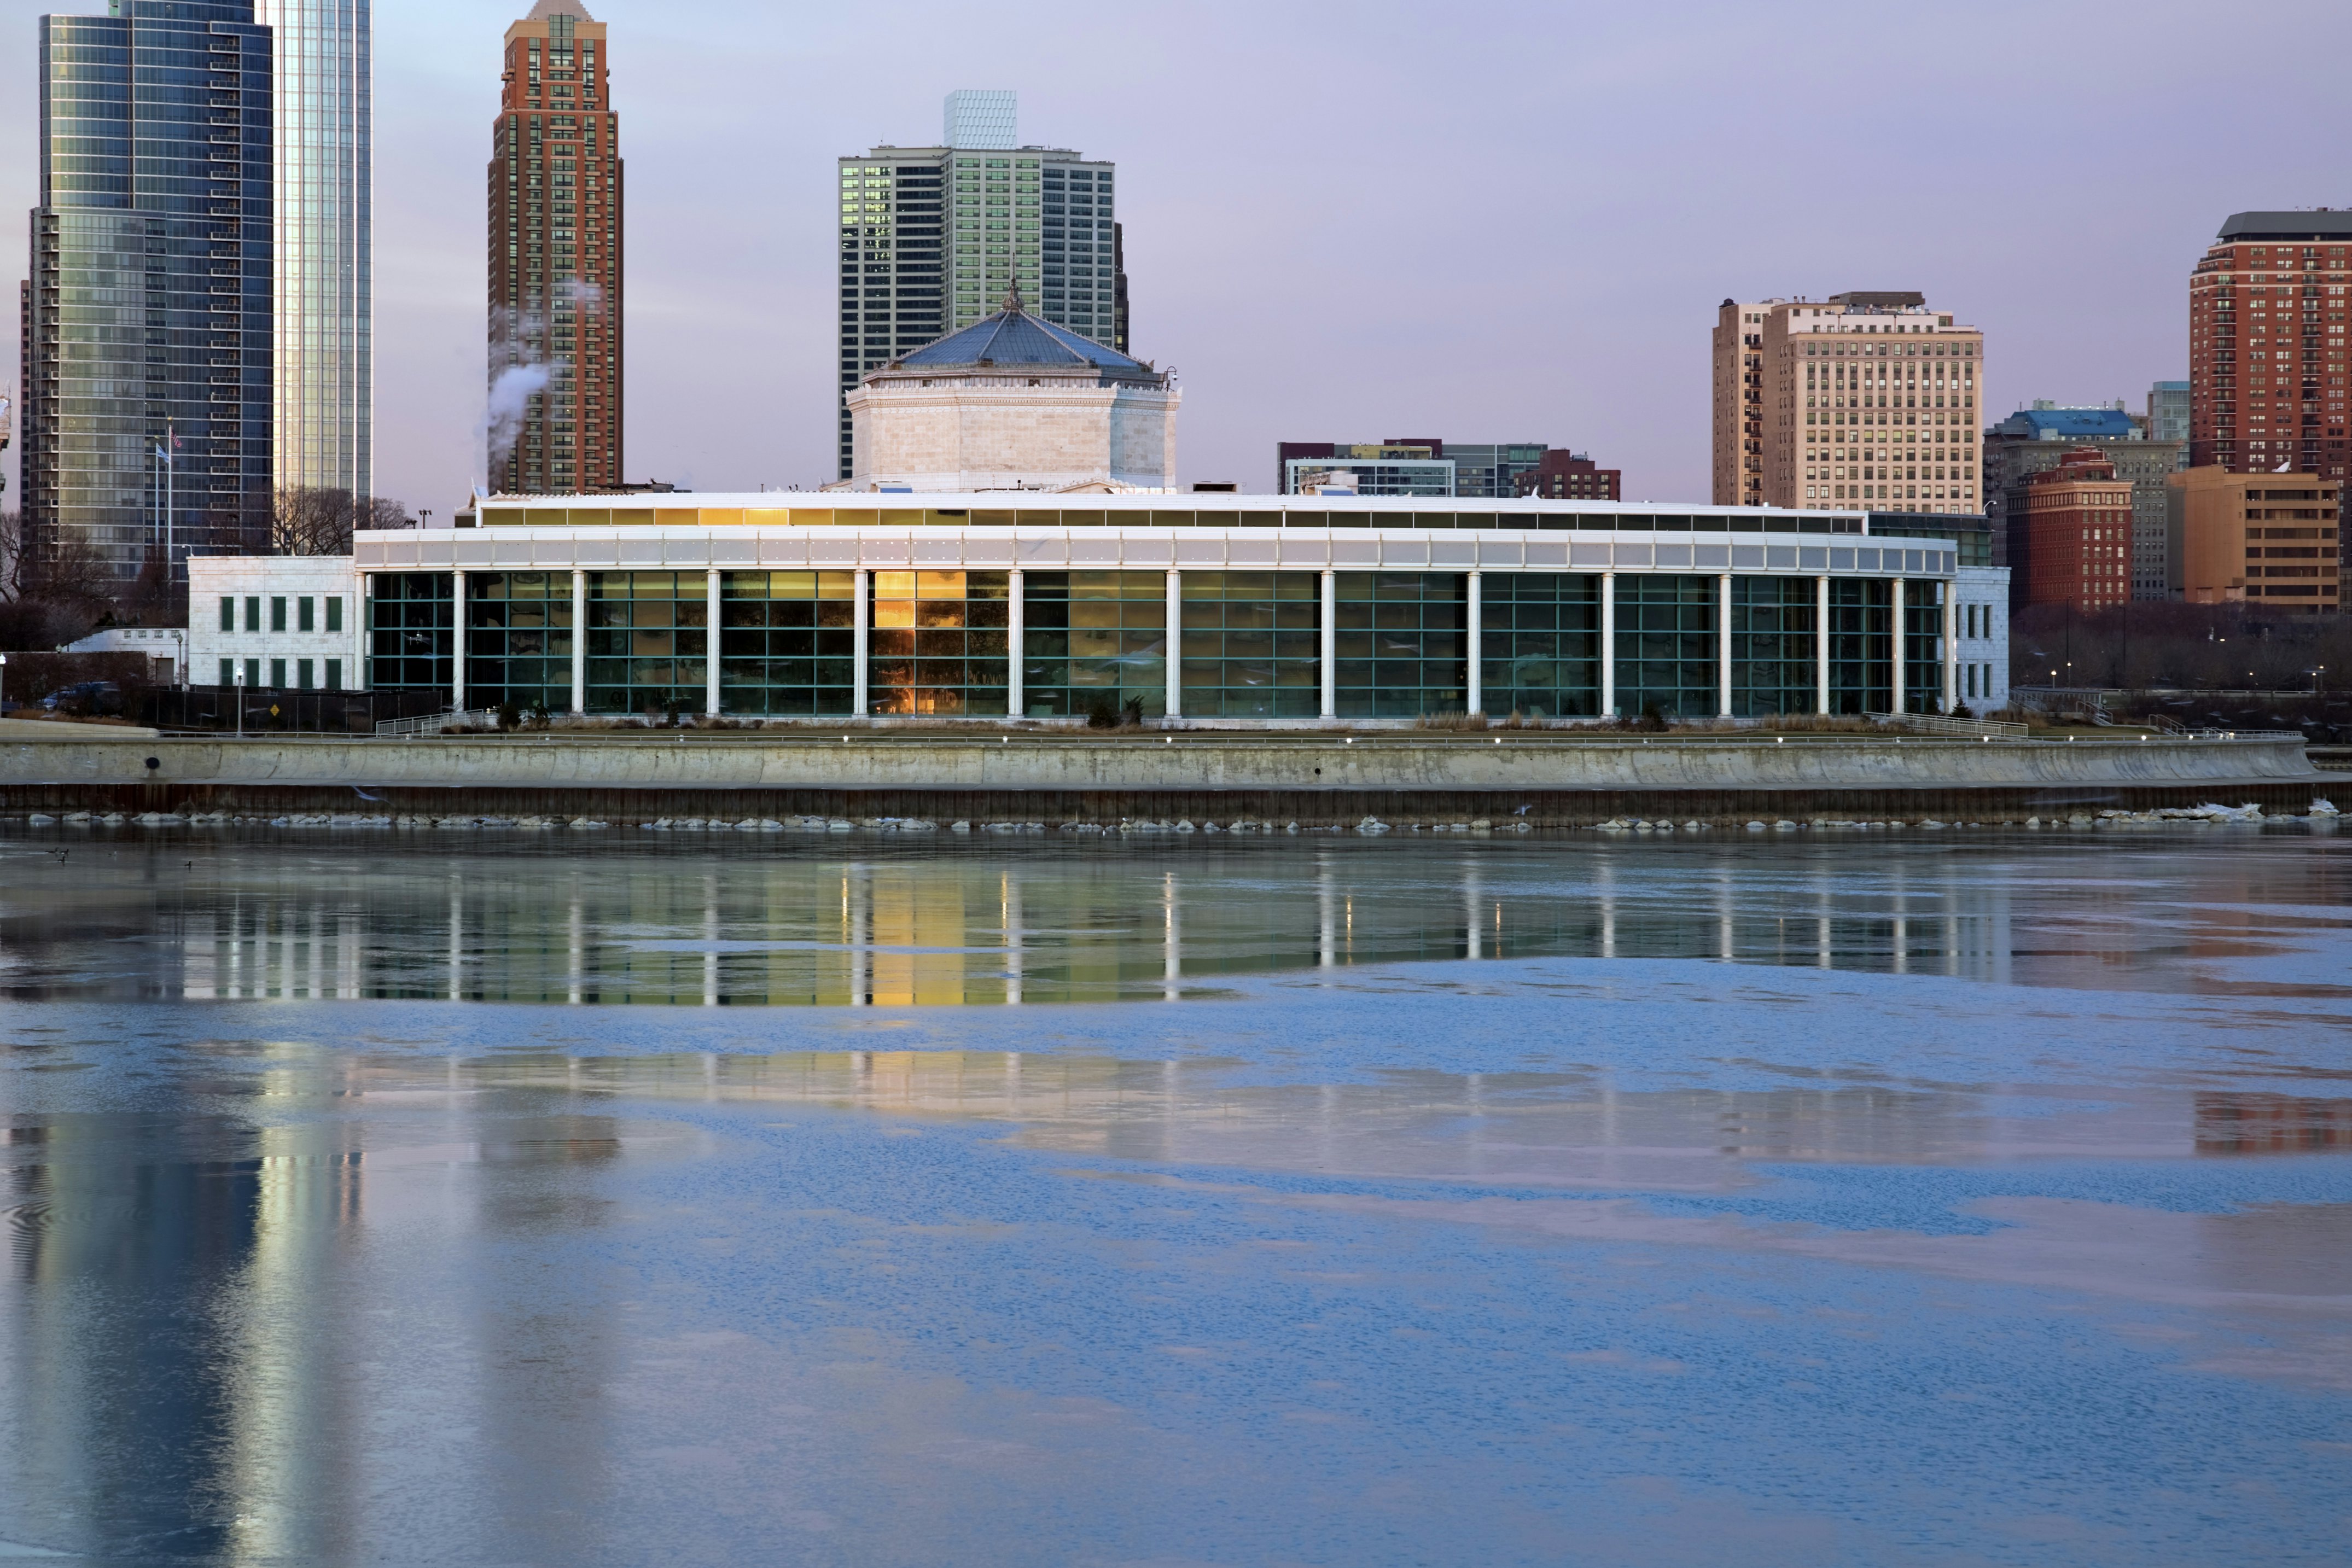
1286	302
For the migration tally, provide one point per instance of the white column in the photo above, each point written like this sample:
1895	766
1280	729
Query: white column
1175	643
1895	675
1016	697
1474	701
711	648
862	617
457	641
1608	645
579	640
1951	647
1723	645
1330	644
1822	644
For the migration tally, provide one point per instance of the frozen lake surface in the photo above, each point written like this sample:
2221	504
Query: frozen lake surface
1952	1199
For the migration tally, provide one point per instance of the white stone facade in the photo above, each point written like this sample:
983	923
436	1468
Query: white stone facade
1048	430
287	623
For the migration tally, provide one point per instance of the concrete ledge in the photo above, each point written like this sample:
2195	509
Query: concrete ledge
1542	782
1184	763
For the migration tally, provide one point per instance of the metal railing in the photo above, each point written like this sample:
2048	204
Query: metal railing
434	723
1967	728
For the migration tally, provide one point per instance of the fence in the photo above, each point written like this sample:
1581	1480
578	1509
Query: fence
283	712
1965	728
434	723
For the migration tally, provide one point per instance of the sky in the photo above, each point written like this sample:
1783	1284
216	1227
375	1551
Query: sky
1484	222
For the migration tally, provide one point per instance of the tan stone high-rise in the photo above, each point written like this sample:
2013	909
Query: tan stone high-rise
556	361
1864	399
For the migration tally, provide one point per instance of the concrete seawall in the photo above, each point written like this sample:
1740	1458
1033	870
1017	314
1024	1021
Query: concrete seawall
1063	778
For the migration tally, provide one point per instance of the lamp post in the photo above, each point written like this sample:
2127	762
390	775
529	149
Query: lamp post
4	684
236	677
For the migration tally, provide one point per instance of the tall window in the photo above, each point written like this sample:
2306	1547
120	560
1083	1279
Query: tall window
1093	640
648	633
1402	643
519	639
1540	643
1923	647
1773	645
1666	644
787	642
1861	645
938	643
410	642
1251	647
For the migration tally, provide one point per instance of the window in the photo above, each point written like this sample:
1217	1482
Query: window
1252	645
1400	644
938	643
276	675
787	642
335	614
409	630
1539	643
1666	644
519	639
648	633
252	612
227	667
334	666
253	672
1773	645
303	671
278	614
302	618
1093	640
229	616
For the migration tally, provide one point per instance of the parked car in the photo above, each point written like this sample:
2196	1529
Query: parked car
94	697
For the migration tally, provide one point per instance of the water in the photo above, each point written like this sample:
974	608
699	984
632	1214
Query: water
502	1198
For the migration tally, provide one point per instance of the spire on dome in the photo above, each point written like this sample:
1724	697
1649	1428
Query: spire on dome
546	8
1013	304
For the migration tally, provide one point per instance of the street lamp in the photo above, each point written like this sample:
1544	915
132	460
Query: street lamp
236	679
4	684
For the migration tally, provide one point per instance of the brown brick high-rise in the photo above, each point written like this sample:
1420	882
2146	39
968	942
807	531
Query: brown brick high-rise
556	361
2266	345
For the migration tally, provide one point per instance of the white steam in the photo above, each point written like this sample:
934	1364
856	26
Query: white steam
509	400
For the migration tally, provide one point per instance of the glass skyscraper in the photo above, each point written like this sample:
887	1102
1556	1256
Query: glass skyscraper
147	317
325	363
932	239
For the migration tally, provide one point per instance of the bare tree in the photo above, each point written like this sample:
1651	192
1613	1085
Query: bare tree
313	520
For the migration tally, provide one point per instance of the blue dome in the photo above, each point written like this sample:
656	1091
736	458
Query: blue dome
1013	337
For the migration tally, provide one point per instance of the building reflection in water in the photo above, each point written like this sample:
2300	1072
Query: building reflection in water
915	930
2242	1124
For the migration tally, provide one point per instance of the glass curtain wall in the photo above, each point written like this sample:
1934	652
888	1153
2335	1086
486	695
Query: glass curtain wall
325	114
1540	643
648	634
1923	647
1401	644
1666	648
518	640
1773	645
1253	645
938	643
411	616
787	642
147	324
1862	648
1093	641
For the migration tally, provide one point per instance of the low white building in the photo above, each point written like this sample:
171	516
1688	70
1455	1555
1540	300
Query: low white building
1013	402
166	648
285	622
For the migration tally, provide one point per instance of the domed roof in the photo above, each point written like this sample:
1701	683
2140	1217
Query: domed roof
1013	337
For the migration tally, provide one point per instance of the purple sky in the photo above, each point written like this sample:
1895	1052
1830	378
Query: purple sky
1481	222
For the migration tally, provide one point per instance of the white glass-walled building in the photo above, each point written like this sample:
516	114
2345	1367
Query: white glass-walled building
325	399
1225	610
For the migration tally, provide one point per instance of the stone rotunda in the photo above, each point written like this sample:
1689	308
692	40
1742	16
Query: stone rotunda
1013	402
